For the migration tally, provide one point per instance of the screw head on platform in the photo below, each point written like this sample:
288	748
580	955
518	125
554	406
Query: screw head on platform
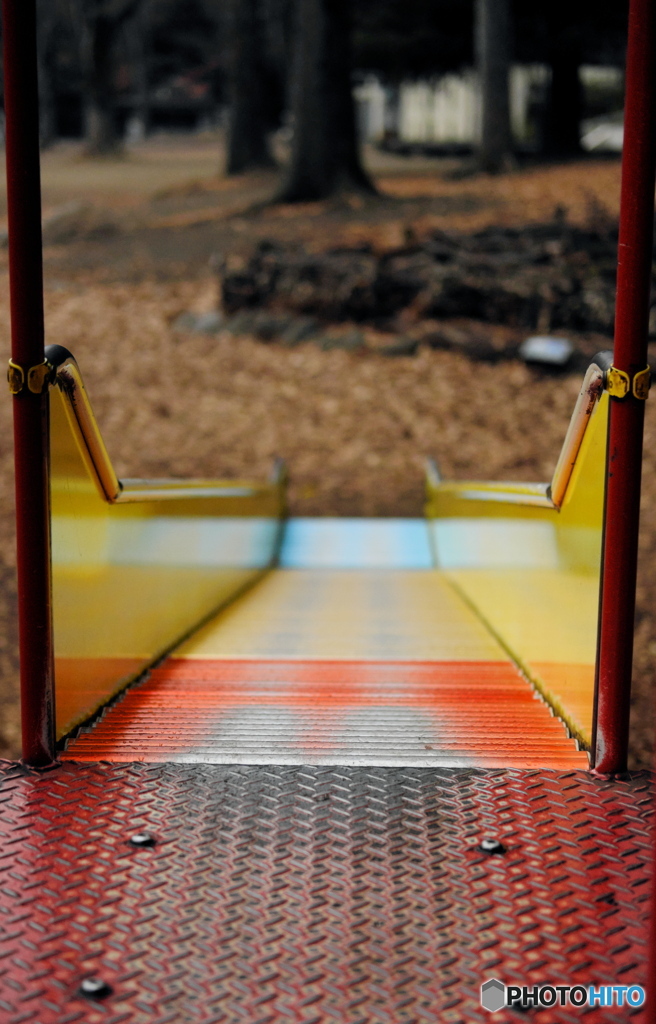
142	839
94	988
491	845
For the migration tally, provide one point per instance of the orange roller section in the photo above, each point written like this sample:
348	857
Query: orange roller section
476	713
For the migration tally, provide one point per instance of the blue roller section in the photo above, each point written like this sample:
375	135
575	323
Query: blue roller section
356	544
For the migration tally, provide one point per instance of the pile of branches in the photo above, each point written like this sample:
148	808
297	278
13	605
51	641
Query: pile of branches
544	276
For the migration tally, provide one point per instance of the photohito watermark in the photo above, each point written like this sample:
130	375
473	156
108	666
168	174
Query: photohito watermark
495	995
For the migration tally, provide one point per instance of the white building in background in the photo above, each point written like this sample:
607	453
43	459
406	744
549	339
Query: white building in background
442	111
447	110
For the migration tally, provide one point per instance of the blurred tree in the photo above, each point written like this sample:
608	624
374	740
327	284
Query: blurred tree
324	157
248	124
493	61
102	22
185	35
564	34
405	39
48	14
86	46
564	111
140	52
187	58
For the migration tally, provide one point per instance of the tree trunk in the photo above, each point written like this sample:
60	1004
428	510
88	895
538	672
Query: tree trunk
562	129
324	157
493	57
46	19
102	23
47	118
101	128
140	57
247	129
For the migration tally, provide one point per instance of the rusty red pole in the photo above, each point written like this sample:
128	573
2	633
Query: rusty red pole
651	976
620	551
31	400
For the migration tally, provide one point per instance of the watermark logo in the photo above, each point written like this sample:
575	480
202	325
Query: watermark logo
495	995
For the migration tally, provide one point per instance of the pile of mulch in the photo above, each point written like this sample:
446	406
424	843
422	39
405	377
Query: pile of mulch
354	426
544	276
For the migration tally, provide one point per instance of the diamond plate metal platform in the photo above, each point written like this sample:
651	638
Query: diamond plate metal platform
314	895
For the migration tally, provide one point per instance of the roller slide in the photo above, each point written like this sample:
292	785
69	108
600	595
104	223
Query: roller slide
324	771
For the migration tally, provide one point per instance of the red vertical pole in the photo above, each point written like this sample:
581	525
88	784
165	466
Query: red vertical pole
651	976
620	553
30	406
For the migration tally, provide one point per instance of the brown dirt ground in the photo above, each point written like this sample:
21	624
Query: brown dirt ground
354	427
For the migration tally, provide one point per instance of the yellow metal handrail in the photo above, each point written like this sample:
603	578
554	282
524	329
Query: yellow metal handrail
537	495
591	390
68	379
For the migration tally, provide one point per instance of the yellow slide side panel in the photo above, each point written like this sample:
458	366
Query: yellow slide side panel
547	620
531	571
130	580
